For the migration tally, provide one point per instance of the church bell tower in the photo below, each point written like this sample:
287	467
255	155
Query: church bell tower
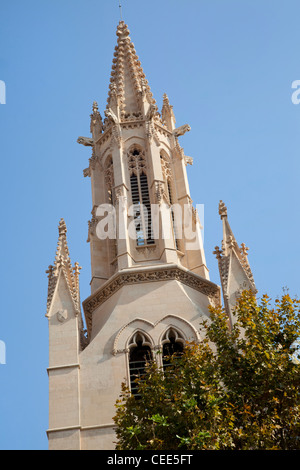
150	286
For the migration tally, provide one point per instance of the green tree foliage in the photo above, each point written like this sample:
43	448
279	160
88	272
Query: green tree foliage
237	389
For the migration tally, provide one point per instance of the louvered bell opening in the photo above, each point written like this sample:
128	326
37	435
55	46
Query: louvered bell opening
173	217
134	189
135	195
140	195
147	204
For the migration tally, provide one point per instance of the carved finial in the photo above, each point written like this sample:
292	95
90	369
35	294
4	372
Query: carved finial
222	210
96	124
62	263
95	107
217	252
50	271
244	249
62	228
95	127
167	114
166	100
230	241
122	29
77	268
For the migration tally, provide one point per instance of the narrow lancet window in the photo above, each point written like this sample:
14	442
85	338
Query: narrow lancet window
140	353
167	174
109	179
140	197
173	344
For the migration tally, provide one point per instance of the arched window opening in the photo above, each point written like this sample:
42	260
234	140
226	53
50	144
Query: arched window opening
140	353
173	345
167	174
173	216
140	197
109	182
109	179
166	167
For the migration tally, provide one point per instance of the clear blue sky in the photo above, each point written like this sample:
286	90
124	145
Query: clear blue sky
227	67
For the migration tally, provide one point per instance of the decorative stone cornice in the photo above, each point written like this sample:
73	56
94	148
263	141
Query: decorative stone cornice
153	274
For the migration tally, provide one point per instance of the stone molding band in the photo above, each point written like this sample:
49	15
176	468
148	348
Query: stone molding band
171	273
78	427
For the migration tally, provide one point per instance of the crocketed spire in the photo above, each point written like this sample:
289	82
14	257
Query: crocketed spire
62	263
128	85
234	267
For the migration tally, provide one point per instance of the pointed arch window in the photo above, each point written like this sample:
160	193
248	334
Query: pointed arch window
140	196
109	179
139	354
173	344
167	174
109	182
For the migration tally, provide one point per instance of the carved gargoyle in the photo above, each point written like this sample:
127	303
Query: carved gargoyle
188	160
85	141
181	130
87	172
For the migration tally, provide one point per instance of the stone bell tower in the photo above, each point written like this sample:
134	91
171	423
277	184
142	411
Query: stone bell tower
149	281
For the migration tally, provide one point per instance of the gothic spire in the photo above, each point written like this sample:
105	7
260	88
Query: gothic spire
128	88
62	264
234	267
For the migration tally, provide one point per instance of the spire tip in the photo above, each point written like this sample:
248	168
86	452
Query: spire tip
222	209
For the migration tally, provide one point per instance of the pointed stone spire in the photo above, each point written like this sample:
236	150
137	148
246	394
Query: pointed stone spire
229	241
167	114
129	89
62	264
96	126
234	267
